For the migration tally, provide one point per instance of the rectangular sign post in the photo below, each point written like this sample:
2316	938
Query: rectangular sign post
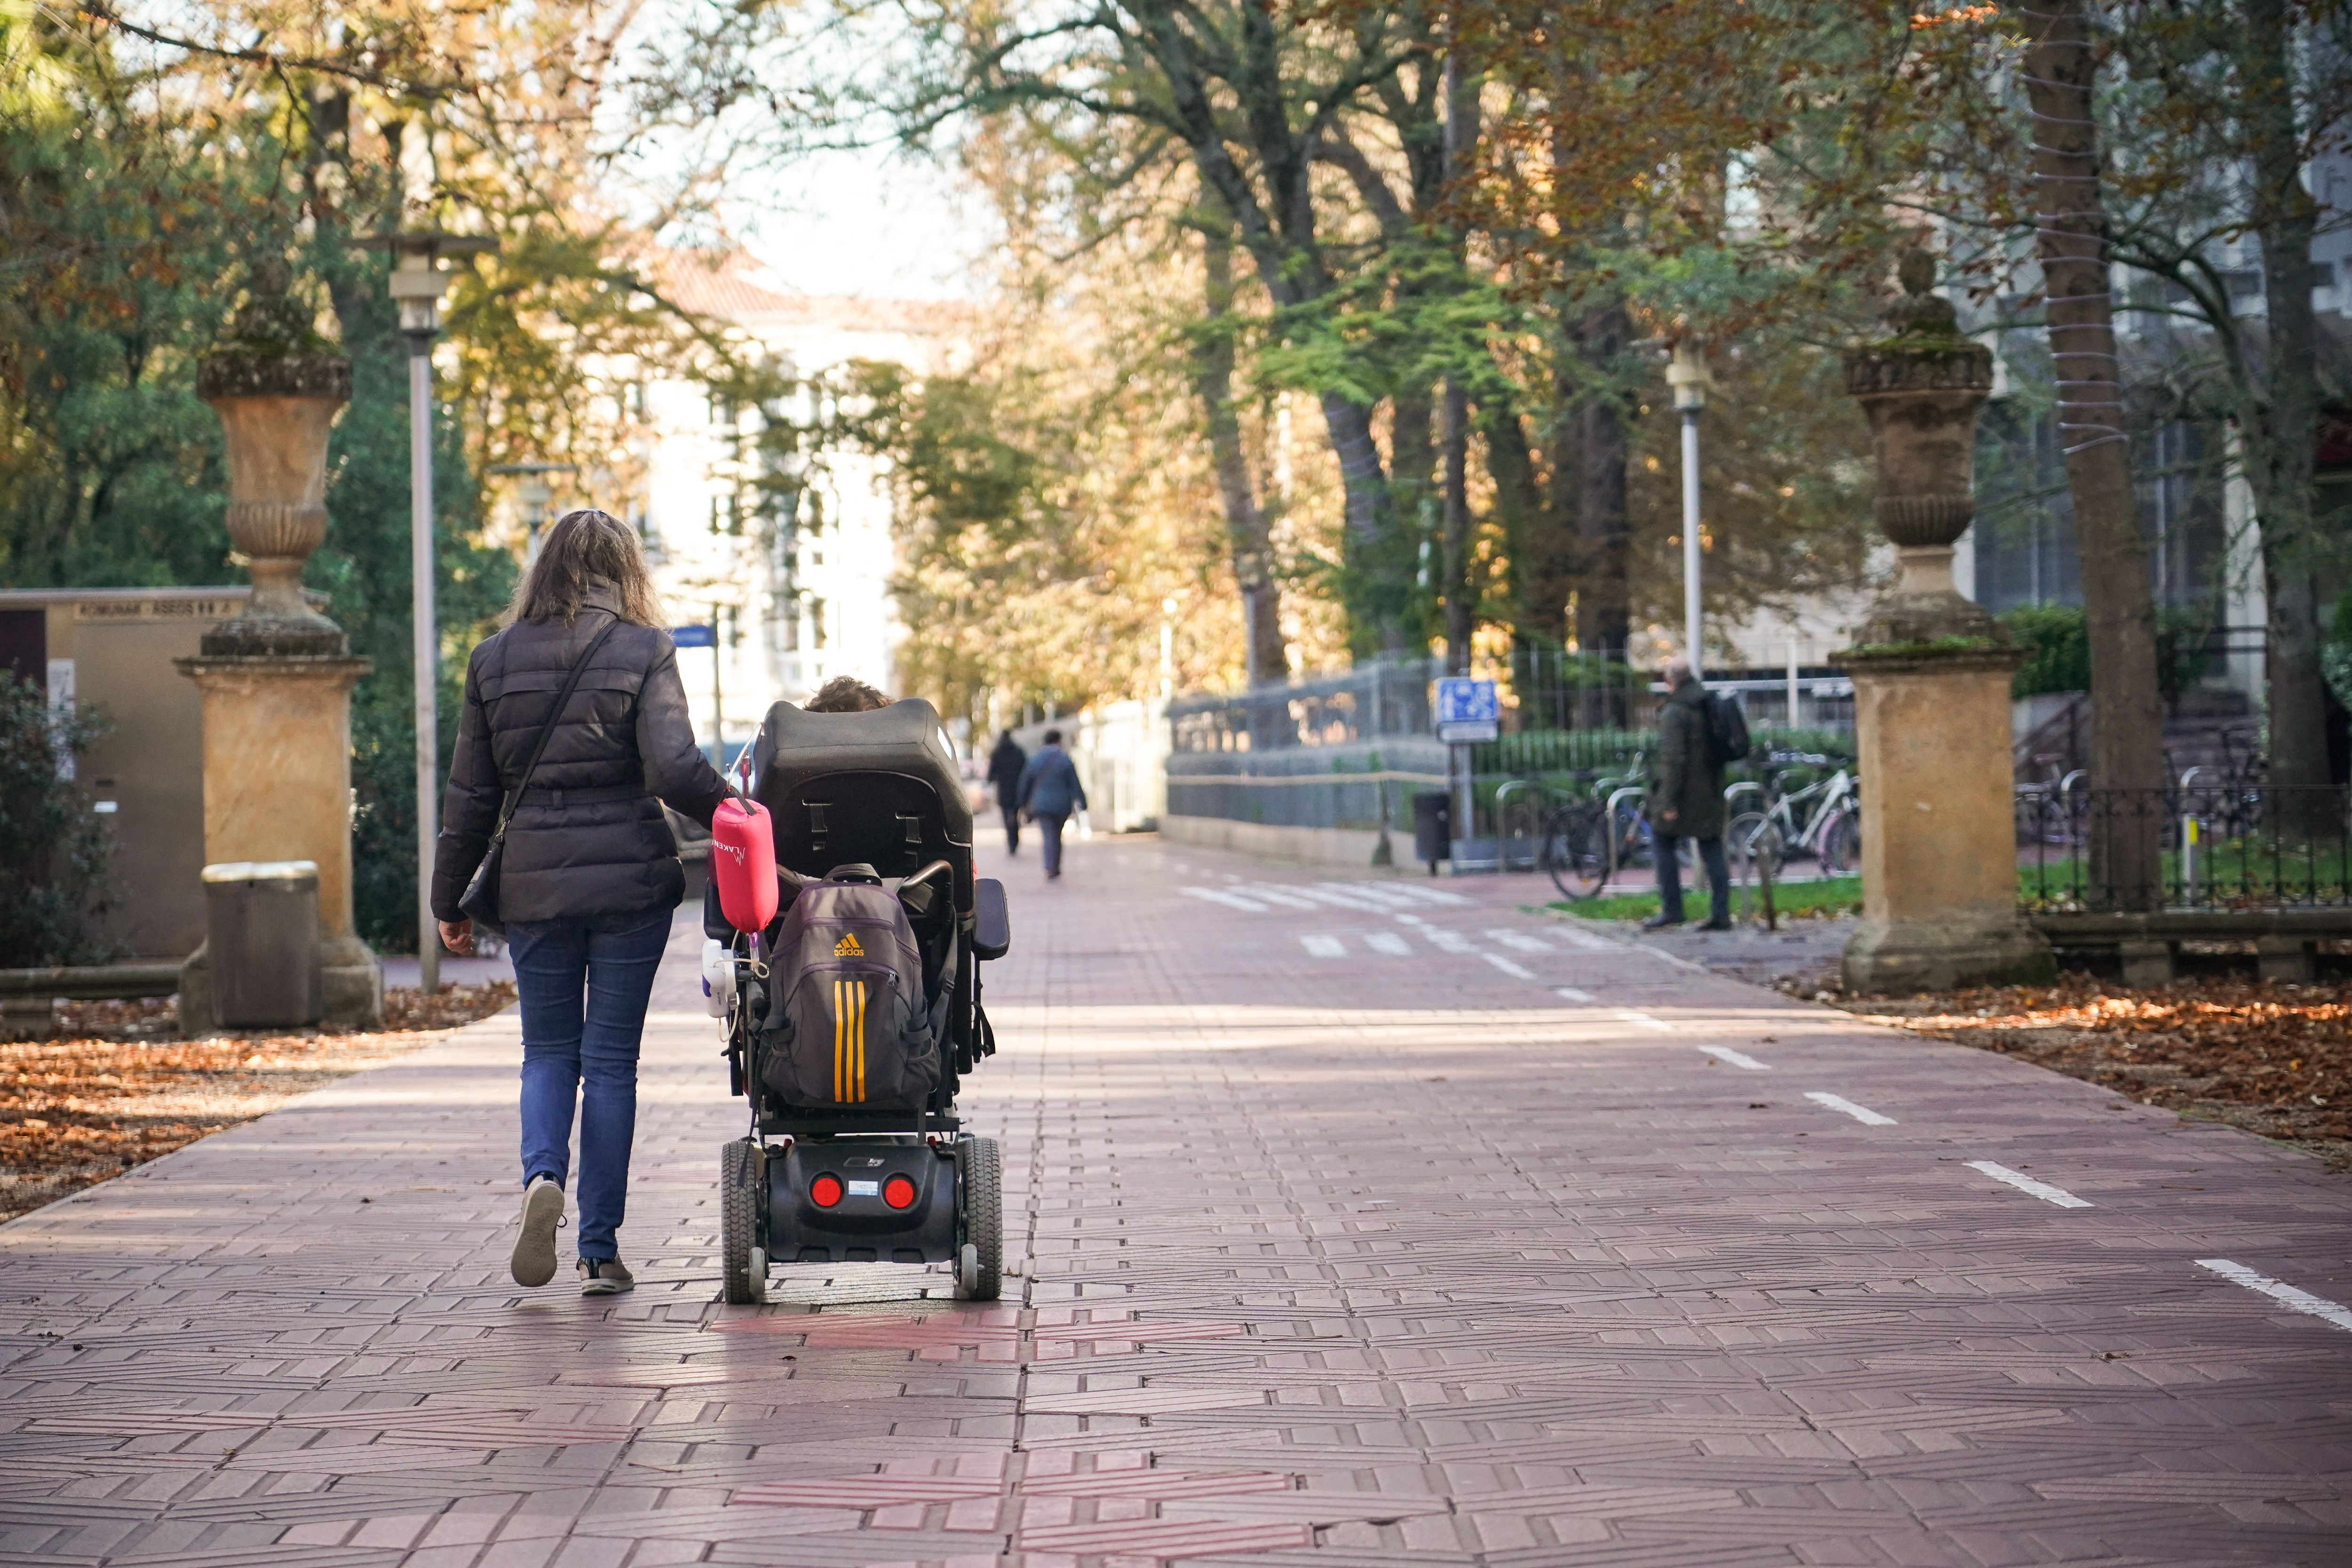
1468	711
694	636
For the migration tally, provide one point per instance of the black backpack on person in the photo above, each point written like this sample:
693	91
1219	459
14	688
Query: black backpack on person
851	1021
1726	730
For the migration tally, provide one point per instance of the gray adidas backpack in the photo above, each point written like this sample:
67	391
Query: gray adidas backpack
847	1022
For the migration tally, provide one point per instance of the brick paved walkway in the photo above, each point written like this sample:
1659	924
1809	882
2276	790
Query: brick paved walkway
1355	1226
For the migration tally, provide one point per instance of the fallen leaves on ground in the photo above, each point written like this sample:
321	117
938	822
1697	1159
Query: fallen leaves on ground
2275	1060
111	1094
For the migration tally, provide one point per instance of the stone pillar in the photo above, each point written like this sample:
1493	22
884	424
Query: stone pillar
1931	673
276	680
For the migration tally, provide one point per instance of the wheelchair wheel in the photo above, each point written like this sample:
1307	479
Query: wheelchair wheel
741	1172
980	1206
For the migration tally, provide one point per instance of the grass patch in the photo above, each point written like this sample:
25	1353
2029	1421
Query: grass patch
1802	901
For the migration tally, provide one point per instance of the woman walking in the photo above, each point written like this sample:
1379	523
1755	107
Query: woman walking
588	874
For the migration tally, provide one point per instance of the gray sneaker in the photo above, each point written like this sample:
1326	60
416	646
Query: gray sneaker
533	1262
604	1277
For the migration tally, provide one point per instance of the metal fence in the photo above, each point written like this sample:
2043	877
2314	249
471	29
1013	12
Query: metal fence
2222	847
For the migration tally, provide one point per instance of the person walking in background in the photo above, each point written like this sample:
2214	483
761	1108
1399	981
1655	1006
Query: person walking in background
1049	791
1689	801
589	874
1004	767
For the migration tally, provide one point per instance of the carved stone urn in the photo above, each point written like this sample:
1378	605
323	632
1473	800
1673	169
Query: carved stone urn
276	680
276	386
1931	673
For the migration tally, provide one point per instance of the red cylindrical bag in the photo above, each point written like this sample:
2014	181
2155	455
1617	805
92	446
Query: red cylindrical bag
743	863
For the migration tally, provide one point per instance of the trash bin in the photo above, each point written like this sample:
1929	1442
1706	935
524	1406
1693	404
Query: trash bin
1433	827
262	944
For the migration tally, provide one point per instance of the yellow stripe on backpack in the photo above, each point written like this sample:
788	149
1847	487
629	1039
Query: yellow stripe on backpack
849	1041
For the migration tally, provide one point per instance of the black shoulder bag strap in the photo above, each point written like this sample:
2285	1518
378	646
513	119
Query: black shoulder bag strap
480	901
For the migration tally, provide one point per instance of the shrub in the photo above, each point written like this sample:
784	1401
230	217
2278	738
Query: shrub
53	849
2058	649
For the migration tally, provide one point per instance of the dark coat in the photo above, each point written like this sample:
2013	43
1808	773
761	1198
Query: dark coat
1688	779
588	840
1004	765
1049	784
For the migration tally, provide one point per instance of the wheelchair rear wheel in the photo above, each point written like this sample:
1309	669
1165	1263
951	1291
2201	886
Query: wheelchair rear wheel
742	1266
980	1206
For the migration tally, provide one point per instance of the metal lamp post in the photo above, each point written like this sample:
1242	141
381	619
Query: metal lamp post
1687	376
417	281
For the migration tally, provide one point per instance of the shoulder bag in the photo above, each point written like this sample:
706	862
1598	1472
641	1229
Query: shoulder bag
481	901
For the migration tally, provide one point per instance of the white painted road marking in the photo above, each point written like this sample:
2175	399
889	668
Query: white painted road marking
1324	946
1737	1058
1576	936
1860	1114
1341	900
2025	1184
1508	967
1408	889
1285	896
1451	940
1390	942
1571	994
2279	1291
1646	1021
1518	941
1219	896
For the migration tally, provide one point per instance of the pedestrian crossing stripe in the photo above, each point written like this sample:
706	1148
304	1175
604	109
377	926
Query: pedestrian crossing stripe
847	946
849	1041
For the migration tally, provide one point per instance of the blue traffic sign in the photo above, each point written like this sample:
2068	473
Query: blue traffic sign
1462	700
697	637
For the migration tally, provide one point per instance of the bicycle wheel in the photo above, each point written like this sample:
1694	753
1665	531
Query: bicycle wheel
1753	838
1574	853
1840	843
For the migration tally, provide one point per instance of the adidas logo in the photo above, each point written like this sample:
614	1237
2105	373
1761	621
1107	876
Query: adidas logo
847	946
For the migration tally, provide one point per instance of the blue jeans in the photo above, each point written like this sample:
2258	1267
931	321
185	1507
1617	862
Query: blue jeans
1670	877
583	995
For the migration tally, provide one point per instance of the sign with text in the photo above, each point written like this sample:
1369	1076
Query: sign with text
694	636
1467	710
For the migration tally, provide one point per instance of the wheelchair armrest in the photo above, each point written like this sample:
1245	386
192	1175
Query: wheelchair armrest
992	929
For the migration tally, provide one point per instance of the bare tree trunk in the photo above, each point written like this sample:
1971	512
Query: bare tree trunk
1604	602
2279	449
1461	594
1246	523
2118	609
1540	532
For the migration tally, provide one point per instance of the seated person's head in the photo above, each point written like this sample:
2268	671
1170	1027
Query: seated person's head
845	694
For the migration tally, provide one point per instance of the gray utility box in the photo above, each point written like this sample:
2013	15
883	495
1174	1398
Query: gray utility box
262	944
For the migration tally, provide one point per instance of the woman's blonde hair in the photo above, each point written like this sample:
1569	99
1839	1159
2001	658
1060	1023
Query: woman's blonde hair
582	546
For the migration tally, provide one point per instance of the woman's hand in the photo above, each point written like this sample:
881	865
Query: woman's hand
458	936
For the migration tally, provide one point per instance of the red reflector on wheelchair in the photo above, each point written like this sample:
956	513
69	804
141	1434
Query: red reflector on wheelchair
899	1192
825	1192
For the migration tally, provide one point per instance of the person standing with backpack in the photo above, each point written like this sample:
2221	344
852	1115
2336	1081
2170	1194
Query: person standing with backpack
1688	800
574	734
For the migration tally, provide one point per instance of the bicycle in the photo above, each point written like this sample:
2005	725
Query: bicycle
1584	840
1830	834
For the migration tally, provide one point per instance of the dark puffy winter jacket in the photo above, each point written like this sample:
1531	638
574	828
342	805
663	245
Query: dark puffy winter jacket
588	840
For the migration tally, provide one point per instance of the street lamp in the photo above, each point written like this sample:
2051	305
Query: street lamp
1687	376
417	281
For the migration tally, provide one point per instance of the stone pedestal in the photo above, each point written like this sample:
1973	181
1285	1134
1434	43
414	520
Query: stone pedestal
1938	840
278	746
276	681
1931	673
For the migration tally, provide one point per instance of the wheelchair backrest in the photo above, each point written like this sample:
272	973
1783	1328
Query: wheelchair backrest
880	786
